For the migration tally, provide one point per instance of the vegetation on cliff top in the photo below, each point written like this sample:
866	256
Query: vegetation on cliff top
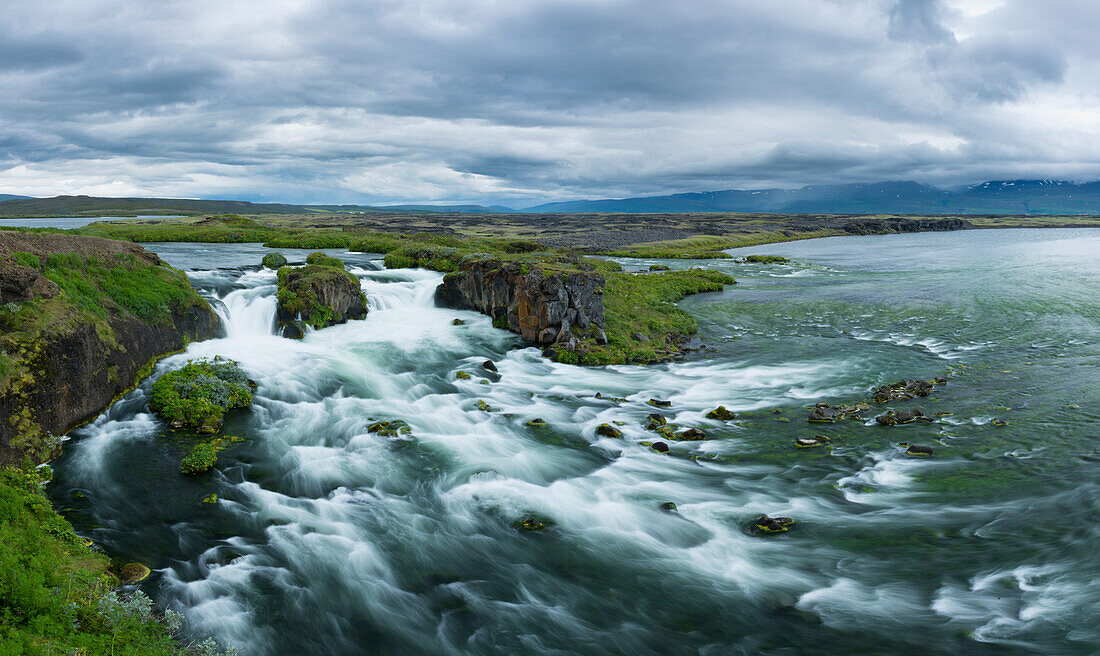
299	286
199	393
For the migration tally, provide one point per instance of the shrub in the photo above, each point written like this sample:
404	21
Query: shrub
320	259
274	260
200	458
199	393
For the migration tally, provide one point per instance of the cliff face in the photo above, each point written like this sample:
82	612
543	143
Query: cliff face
81	321
319	296
544	307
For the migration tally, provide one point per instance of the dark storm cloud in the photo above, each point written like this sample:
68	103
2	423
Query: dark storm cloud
499	101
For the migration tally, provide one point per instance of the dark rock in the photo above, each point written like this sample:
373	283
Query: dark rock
918	450
607	430
529	524
692	435
458	322
659	447
537	423
659	403
904	390
895	225
893	417
720	413
668	506
765	525
293	330
543	307
488	365
319	295
823	413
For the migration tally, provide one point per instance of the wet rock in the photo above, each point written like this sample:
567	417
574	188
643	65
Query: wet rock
720	413
607	430
999	422
537	423
655	420
210	498
809	443
823	413
657	403
529	524
668	431
132	573
462	375
458	322
392	428
659	267
488	365
668	506
659	447
765	525
484	407
293	330
692	435
893	417
903	390
320	294
918	450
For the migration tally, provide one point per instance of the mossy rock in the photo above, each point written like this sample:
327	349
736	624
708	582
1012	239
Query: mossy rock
484	407
132	573
763	259
210	498
393	428
765	525
199	394
918	450
529	524
659	447
274	260
654	421
201	458
669	506
607	430
659	267
458	322
537	423
658	403
721	414
462	375
691	435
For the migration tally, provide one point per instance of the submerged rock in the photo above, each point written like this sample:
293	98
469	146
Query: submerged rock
893	417
462	375
668	506
765	525
458	322
807	442
655	420
720	413
484	407
823	413
607	430
658	403
393	428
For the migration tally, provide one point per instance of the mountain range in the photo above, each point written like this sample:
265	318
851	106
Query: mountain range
1015	197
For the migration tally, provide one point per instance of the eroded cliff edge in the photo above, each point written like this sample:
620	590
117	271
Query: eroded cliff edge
82	320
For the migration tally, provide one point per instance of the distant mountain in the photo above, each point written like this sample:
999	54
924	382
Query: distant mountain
4	197
95	206
995	197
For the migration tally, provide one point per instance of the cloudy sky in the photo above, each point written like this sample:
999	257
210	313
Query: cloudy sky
524	101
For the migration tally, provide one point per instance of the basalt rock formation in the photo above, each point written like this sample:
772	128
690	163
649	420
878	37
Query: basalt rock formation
320	294
82	319
543	306
894	224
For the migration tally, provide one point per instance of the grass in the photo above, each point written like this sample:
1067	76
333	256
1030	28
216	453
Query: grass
704	247
56	593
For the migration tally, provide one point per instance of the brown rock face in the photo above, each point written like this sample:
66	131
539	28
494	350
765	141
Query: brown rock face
543	307
319	296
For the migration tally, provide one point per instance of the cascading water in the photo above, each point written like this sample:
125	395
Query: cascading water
327	539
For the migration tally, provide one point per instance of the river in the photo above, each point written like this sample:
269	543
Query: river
329	540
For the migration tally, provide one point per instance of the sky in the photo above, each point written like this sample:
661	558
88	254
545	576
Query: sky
518	102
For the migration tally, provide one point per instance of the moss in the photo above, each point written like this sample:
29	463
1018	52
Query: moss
296	293
199	393
763	259
202	457
274	260
320	259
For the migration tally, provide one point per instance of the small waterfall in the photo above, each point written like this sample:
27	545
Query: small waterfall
248	312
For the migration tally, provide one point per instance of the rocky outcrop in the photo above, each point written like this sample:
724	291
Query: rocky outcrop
317	295
66	372
895	224
544	307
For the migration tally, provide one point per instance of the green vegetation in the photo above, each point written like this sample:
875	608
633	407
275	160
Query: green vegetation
200	458
200	393
763	259
56	594
225	228
298	289
705	247
274	260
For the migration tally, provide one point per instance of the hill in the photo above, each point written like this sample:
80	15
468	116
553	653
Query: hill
1016	197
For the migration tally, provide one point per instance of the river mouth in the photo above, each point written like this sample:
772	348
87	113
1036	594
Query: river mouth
328	539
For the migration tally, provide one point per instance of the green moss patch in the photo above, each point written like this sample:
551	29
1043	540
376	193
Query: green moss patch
200	393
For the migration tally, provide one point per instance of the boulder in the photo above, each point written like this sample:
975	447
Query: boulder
893	417
692	435
721	414
488	365
765	525
659	403
132	573
659	447
607	430
274	260
918	450
320	295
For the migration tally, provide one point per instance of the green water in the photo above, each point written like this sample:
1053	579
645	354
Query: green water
330	540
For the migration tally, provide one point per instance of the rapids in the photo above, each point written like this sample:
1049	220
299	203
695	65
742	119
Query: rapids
330	540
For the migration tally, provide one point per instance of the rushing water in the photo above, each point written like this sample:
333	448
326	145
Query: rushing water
329	540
